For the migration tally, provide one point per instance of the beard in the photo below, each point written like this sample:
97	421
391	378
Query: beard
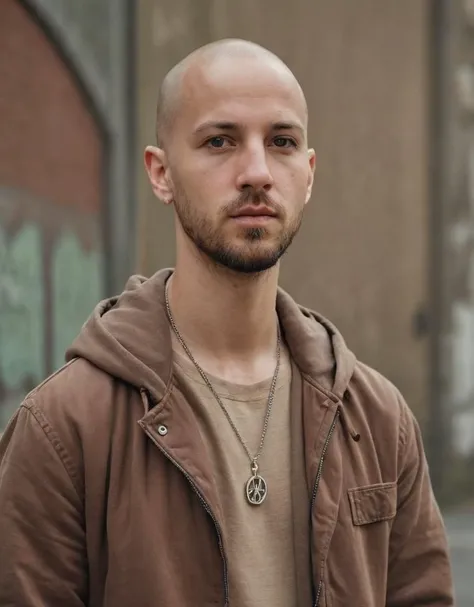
255	254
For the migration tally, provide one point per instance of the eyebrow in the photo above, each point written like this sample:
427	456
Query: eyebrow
287	126
233	126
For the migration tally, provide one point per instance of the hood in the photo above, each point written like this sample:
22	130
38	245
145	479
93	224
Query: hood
128	337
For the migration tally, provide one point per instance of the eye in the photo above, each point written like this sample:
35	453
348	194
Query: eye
217	142
284	142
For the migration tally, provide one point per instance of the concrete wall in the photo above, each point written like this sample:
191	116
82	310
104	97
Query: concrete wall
454	231
361	256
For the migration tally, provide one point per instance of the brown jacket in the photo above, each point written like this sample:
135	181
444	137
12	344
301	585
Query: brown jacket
100	506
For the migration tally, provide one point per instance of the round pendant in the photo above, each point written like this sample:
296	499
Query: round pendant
256	490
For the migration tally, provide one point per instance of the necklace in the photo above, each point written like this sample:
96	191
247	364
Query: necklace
256	488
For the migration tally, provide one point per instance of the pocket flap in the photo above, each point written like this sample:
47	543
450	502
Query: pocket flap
373	503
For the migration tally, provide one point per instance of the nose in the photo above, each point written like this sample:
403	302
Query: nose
254	170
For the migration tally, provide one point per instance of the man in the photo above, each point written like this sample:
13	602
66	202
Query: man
210	442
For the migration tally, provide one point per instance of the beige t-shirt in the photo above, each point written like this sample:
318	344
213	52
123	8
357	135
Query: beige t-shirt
259	541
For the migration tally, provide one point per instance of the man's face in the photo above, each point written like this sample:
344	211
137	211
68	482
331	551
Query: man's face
239	171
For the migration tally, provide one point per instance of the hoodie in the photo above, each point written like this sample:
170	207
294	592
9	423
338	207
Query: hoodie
107	494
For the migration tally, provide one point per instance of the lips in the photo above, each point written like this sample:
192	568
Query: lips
255	211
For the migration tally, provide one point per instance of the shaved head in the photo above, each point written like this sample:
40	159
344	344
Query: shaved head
173	90
232	155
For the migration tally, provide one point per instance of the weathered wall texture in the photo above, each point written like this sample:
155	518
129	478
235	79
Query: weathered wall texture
51	178
361	256
96	37
455	253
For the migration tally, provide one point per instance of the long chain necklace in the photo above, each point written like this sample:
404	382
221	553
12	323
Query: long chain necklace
256	488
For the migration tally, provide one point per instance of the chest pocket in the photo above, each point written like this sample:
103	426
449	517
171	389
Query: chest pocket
373	503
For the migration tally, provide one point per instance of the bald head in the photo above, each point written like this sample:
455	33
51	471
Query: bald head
232	132
226	54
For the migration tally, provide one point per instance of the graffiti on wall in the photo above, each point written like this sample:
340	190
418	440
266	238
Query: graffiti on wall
21	313
77	286
45	273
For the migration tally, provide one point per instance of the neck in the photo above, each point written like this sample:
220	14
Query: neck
223	315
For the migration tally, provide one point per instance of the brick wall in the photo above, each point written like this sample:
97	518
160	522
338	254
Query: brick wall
49	143
51	197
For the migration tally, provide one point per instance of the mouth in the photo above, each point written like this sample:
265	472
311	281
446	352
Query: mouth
255	212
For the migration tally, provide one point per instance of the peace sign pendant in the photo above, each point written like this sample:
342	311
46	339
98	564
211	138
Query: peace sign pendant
256	488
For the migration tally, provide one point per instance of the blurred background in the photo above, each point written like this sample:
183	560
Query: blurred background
386	250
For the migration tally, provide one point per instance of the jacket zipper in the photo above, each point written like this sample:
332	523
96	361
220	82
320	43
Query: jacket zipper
316	487
208	510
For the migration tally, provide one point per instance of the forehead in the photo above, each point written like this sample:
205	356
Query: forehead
248	89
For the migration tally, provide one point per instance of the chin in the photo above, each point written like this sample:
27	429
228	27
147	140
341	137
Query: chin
250	266
244	262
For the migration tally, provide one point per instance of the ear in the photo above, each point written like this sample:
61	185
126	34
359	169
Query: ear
158	173
311	171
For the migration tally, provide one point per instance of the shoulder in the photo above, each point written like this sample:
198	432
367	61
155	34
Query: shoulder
377	409
376	393
72	391
75	414
79	406
373	384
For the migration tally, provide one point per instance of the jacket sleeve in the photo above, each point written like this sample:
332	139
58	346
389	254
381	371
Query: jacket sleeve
42	541
419	566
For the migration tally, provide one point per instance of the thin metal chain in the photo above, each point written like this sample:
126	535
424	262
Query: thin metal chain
253	459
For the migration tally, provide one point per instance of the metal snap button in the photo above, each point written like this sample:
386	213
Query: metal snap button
162	430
